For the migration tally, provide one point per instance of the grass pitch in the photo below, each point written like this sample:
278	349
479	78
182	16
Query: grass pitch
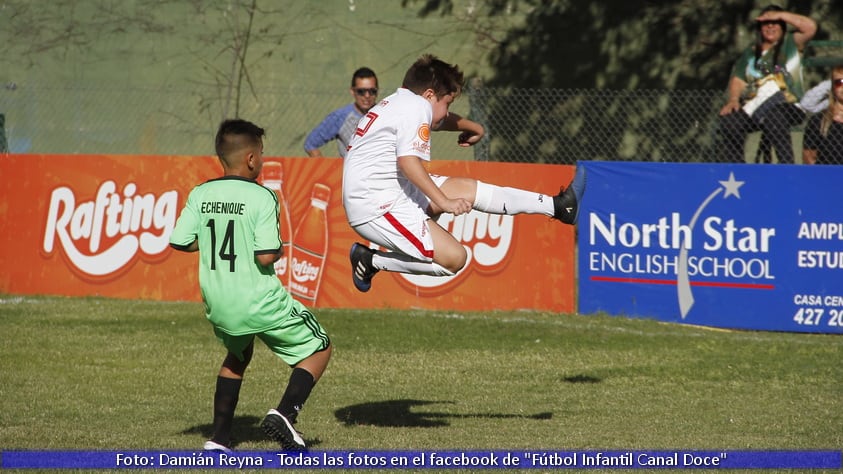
92	373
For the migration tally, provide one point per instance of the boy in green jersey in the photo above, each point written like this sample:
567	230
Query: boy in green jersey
232	221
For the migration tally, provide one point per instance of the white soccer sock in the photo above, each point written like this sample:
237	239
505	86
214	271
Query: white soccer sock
400	263
494	199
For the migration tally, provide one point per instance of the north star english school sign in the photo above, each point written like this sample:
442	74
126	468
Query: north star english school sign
719	245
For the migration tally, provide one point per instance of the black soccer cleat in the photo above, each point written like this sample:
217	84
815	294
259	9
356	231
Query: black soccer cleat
279	429
566	204
362	270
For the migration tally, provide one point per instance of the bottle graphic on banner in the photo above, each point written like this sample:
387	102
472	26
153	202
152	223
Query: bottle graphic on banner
273	178
310	246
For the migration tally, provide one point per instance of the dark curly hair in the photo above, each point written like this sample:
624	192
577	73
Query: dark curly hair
759	25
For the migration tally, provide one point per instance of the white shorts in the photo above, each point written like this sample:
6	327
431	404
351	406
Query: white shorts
404	228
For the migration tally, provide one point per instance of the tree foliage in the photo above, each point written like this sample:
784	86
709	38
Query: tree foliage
621	44
652	50
236	37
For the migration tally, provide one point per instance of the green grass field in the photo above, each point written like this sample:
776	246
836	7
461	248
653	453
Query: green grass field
91	373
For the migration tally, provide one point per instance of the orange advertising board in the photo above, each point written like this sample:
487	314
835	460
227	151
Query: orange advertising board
81	225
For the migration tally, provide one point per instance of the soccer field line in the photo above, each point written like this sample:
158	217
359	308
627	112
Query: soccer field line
693	331
570	321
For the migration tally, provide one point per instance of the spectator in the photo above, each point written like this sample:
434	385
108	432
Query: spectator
814	101
340	124
823	142
767	77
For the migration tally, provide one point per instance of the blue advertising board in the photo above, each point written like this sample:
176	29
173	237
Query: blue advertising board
733	246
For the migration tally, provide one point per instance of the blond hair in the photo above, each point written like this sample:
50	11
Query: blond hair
828	115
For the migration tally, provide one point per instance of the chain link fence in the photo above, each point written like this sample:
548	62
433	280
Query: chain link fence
523	125
563	126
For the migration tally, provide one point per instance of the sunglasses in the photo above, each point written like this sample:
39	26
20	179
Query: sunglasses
362	92
837	82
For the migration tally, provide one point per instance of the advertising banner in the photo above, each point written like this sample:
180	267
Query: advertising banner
81	225
730	246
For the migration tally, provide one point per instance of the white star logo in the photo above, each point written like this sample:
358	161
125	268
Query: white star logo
731	186
683	282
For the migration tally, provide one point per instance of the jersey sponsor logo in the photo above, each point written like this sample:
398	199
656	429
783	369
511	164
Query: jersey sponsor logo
424	132
422	148
104	235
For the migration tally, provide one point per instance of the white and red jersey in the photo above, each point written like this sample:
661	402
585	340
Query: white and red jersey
398	125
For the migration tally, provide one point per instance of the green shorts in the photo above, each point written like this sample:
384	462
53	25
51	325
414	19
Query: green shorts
298	337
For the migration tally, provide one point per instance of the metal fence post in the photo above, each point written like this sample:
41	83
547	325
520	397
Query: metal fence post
4	146
477	112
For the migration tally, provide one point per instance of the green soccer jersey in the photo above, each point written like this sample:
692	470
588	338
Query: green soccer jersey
235	219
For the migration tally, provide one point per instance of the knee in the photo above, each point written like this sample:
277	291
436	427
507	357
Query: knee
316	363
455	261
734	124
460	187
233	368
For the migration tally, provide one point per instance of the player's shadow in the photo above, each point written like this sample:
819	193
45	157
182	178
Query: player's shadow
401	414
582	378
243	429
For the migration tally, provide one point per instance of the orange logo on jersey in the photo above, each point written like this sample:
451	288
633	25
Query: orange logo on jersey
424	132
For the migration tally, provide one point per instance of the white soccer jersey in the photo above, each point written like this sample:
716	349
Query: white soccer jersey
398	125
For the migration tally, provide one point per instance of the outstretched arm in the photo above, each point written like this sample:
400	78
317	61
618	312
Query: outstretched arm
472	131
416	173
327	130
816	99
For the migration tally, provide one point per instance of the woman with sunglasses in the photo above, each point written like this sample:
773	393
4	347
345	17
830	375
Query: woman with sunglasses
823	142
340	124
774	64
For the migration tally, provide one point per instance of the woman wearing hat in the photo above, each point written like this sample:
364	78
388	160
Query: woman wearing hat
766	83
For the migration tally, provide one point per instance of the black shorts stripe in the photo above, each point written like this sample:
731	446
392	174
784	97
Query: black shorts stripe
315	328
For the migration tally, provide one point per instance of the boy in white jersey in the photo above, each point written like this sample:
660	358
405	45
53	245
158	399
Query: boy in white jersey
391	199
